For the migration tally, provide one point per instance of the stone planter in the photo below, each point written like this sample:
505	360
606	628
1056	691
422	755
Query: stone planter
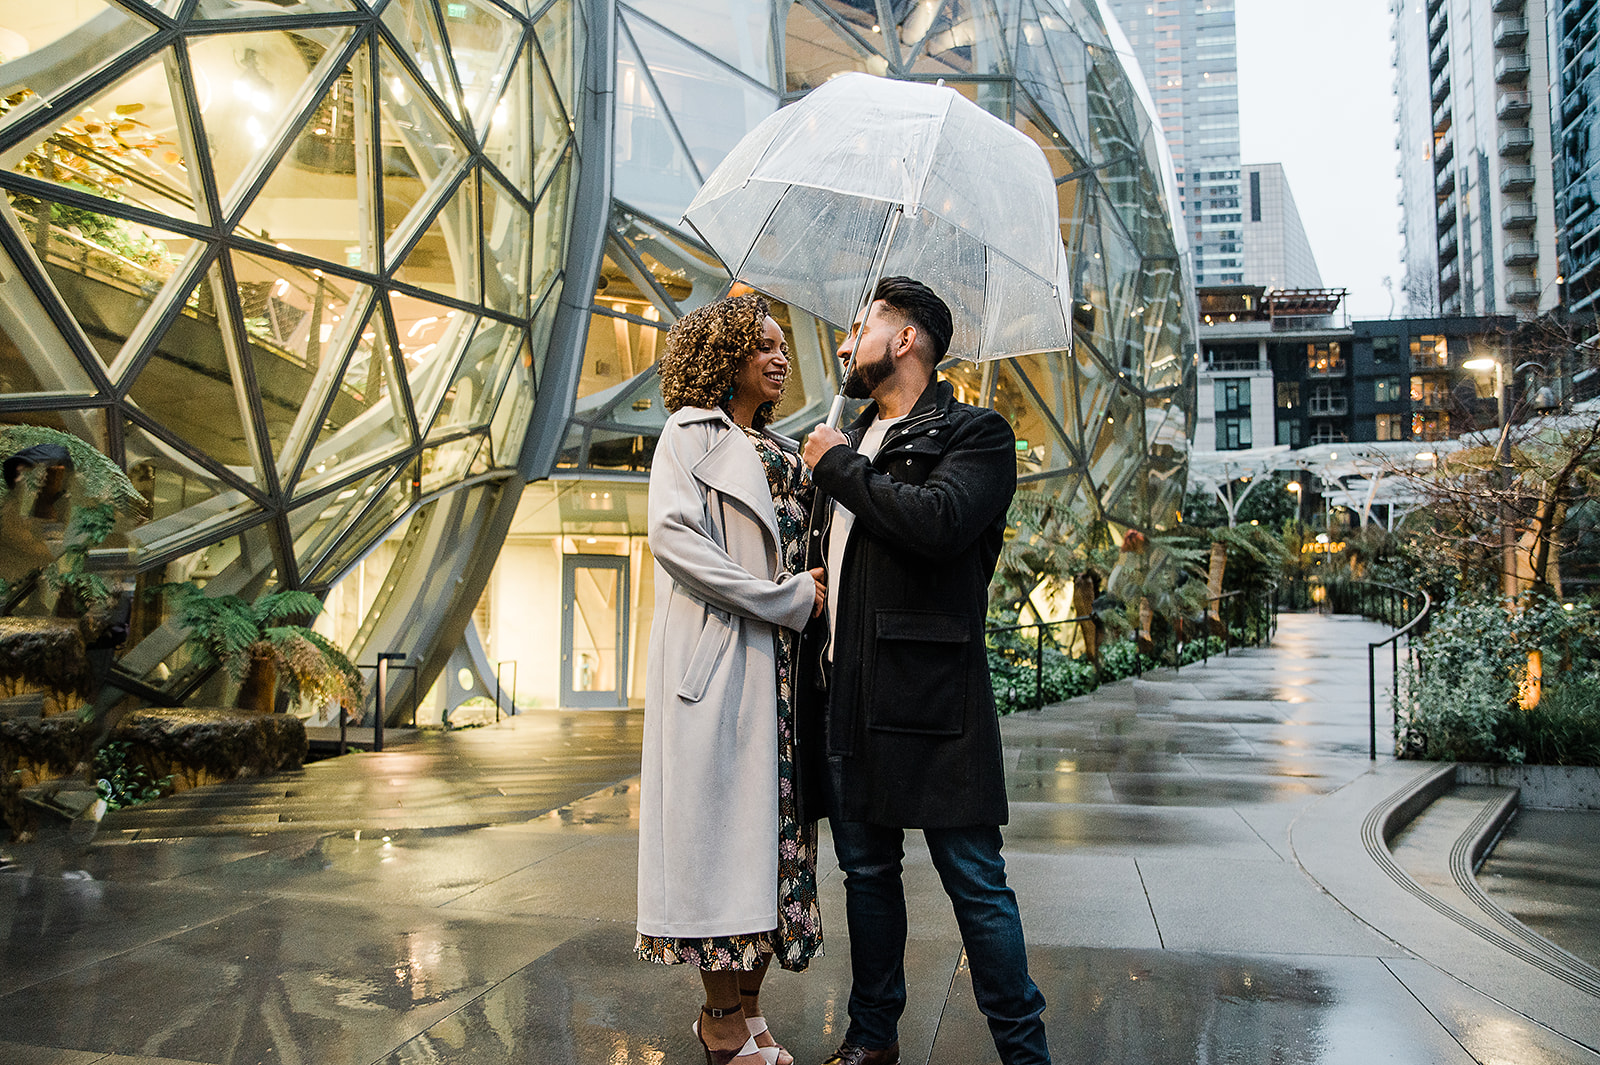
1543	787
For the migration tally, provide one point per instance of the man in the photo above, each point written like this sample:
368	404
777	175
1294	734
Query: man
913	502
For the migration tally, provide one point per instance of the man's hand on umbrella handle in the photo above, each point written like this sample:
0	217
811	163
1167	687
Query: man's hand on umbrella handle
822	440
821	579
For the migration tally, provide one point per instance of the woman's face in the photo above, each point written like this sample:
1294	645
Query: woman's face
760	377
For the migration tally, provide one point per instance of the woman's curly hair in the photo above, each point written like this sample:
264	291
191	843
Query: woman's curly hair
704	351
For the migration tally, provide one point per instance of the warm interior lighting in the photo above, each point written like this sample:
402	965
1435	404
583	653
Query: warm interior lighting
1479	364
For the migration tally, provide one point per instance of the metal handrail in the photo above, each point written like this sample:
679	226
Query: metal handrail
1394	641
1038	648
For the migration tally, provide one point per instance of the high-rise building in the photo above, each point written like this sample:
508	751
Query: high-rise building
1476	156
1276	251
1574	30
1189	55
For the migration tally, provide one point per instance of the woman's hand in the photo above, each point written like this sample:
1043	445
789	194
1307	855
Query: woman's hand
821	579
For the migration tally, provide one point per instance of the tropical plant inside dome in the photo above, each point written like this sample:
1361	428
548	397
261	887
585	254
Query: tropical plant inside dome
258	646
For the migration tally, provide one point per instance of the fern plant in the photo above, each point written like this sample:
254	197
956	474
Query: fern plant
257	646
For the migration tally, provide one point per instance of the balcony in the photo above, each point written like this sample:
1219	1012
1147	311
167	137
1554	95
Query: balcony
1328	406
1441	117
1432	399
1436	27
1522	290
1510	32
1441	88
1512	69
1443	151
1516	178
1447	212
1516	141
1447	245
1520	253
1501	7
1445	183
1449	280
1512	105
1438	58
1518	216
1323	369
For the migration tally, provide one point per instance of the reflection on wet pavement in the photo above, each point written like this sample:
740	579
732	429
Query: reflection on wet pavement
470	900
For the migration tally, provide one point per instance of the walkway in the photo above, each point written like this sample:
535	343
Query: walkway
1192	852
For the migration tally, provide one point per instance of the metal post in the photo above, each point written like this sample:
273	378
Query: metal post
344	716
1372	708
497	693
382	709
1038	667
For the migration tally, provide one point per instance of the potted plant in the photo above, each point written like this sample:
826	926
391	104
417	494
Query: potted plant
259	648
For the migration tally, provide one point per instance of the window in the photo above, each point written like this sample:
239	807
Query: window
1386	390
1429	352
1325	359
1233	395
1429	392
1288	396
1255	195
1385	349
1289	433
1233	434
1326	433
1430	426
1391	426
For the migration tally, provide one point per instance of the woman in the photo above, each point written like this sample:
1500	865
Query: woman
727	873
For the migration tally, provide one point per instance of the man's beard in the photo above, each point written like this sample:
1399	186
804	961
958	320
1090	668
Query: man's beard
865	378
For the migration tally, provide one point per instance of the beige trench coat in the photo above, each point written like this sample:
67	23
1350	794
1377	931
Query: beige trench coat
708	809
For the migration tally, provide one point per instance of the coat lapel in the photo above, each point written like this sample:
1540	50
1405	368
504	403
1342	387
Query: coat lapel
731	467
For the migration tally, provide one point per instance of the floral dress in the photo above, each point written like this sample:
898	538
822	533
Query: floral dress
798	937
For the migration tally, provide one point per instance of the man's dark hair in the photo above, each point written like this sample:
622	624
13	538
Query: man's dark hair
922	308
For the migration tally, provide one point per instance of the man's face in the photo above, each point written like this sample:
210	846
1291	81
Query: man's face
874	342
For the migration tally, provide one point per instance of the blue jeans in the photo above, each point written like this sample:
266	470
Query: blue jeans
974	876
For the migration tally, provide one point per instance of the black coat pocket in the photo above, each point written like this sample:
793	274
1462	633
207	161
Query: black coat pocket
919	674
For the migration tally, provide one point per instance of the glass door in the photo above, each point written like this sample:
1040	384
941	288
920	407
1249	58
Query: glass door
594	630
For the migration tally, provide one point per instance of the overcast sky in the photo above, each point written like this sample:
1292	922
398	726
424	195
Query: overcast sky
1315	95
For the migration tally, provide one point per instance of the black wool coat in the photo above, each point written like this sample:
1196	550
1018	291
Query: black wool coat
901	731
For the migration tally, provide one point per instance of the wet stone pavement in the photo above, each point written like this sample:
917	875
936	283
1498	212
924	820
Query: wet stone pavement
469	898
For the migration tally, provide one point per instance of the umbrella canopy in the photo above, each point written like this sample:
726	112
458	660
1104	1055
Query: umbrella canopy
868	177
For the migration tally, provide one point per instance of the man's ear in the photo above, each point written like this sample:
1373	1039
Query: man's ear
908	335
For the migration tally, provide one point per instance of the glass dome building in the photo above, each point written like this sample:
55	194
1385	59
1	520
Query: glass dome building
366	297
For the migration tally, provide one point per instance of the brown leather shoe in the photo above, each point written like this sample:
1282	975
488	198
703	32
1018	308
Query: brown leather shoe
850	1054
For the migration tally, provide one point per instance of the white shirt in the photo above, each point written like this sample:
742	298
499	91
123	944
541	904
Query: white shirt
845	519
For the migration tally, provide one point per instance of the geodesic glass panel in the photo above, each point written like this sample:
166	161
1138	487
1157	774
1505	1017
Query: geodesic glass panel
130	144
34	357
482	37
507	239
47	48
1040	446
738	32
415	24
254	85
815	49
187	501
653	170
444	257
317	525
480	378
318	200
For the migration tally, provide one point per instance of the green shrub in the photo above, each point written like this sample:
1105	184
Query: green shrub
1460	702
121	782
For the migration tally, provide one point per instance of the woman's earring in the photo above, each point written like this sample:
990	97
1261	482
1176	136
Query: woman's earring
727	397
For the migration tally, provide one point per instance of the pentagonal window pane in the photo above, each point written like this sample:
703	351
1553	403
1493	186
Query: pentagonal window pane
511	417
130	145
191	383
1040	447
550	228
653	171
318	201
384	512
560	44
447	463
506	143
49	47
254	85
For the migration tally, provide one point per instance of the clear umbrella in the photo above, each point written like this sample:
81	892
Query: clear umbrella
868	177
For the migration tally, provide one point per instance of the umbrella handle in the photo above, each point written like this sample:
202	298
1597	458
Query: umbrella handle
835	411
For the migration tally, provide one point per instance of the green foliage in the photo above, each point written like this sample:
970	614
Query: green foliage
1461	702
101	480
1047	541
121	782
228	630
